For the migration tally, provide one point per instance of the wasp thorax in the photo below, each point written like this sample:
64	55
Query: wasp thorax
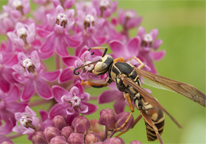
61	20
18	5
147	40
88	19
26	122
27	63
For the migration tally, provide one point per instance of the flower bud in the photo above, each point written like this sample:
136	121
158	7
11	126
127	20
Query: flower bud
38	137
81	124
51	132
76	138
101	134
7	142
114	140
107	117
135	142
58	140
66	131
90	138
121	118
94	125
59	122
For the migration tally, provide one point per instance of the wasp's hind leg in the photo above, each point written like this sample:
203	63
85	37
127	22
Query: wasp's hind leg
141	63
127	97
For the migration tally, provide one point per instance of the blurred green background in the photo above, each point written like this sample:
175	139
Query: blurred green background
181	26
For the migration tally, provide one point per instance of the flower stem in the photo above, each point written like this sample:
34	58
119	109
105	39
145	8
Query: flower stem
38	102
106	133
57	61
14	136
94	98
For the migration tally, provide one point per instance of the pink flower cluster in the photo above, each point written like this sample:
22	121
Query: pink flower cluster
55	28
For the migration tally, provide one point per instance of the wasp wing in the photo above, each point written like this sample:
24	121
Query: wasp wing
176	86
148	97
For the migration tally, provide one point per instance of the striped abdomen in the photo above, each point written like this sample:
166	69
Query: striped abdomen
157	116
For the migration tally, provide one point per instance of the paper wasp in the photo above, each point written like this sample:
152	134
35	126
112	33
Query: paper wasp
126	77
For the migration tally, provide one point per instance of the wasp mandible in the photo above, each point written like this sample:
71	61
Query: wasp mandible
126	77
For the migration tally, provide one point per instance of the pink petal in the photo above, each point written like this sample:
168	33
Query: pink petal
29	111
117	48
37	43
7	128
42	33
50	76
154	33
157	55
133	46
156	44
66	75
42	88
91	108
100	40
18	77
70	61
43	115
61	47
21	56
119	106
74	91
49	44
58	92
59	9
4	85
13	94
108	96
85	97
57	109
141	32
5	139
16	107
7	74
72	42
12	61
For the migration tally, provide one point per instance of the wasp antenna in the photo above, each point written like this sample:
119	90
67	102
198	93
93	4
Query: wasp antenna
89	50
74	71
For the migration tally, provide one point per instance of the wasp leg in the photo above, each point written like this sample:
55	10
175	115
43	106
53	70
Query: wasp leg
141	63
105	50
134	123
127	97
121	59
95	85
151	123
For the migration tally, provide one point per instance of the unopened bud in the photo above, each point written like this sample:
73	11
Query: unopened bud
121	118
107	117
81	124
90	138
38	138
51	132
94	125
114	140
135	142
76	138
58	140
59	122
66	131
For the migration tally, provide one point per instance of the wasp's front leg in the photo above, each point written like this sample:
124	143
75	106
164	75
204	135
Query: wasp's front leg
96	85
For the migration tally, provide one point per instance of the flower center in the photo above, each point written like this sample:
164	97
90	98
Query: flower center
27	63
89	67
18	5
129	14
61	20
75	100
89	18
22	33
3	15
26	122
103	6
147	41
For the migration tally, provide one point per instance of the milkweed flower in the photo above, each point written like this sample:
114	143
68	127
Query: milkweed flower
29	123
29	72
71	103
